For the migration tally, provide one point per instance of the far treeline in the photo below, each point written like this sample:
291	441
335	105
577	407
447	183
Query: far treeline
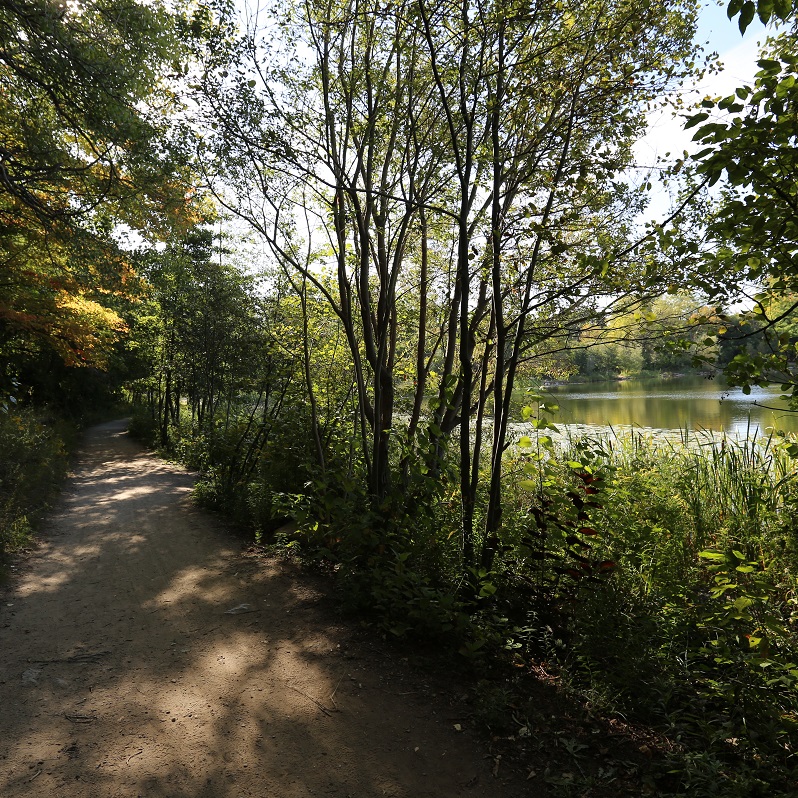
319	252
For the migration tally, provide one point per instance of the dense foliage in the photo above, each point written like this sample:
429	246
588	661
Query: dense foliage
85	145
34	460
749	142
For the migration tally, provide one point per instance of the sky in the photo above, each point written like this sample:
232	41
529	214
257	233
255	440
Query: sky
739	56
723	34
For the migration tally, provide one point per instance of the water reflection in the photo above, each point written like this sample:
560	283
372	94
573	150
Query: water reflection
681	403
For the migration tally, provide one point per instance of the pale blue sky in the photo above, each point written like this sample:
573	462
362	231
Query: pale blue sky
666	134
723	34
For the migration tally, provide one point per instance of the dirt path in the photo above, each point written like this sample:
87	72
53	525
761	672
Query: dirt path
124	673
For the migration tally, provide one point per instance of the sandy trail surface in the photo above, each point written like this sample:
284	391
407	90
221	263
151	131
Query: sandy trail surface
142	653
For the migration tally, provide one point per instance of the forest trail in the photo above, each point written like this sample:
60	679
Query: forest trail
123	671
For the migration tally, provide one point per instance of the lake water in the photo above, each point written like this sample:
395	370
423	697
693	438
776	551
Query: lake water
693	403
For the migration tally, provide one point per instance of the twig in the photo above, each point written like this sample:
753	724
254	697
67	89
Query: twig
37	773
80	718
138	753
332	695
496	762
310	698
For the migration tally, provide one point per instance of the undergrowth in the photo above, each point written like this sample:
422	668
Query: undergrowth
695	632
34	446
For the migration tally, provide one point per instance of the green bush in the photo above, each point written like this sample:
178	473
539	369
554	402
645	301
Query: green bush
143	427
34	446
695	629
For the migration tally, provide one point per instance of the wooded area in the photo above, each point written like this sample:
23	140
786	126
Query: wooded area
327	249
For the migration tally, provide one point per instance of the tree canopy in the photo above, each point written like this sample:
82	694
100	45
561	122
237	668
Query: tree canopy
471	154
750	141
85	144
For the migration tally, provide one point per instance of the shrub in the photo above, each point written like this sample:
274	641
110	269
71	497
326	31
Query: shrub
34	446
695	630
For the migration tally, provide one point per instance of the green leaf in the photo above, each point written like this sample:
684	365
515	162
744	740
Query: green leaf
783	89
697	119
769	66
764	10
746	15
703	153
733	8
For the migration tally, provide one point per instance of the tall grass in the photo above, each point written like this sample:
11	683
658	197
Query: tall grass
732	486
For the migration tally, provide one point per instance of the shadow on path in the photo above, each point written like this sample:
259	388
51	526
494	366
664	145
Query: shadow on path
122	673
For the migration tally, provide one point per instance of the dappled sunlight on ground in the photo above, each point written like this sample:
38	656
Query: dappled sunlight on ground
192	585
142	655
